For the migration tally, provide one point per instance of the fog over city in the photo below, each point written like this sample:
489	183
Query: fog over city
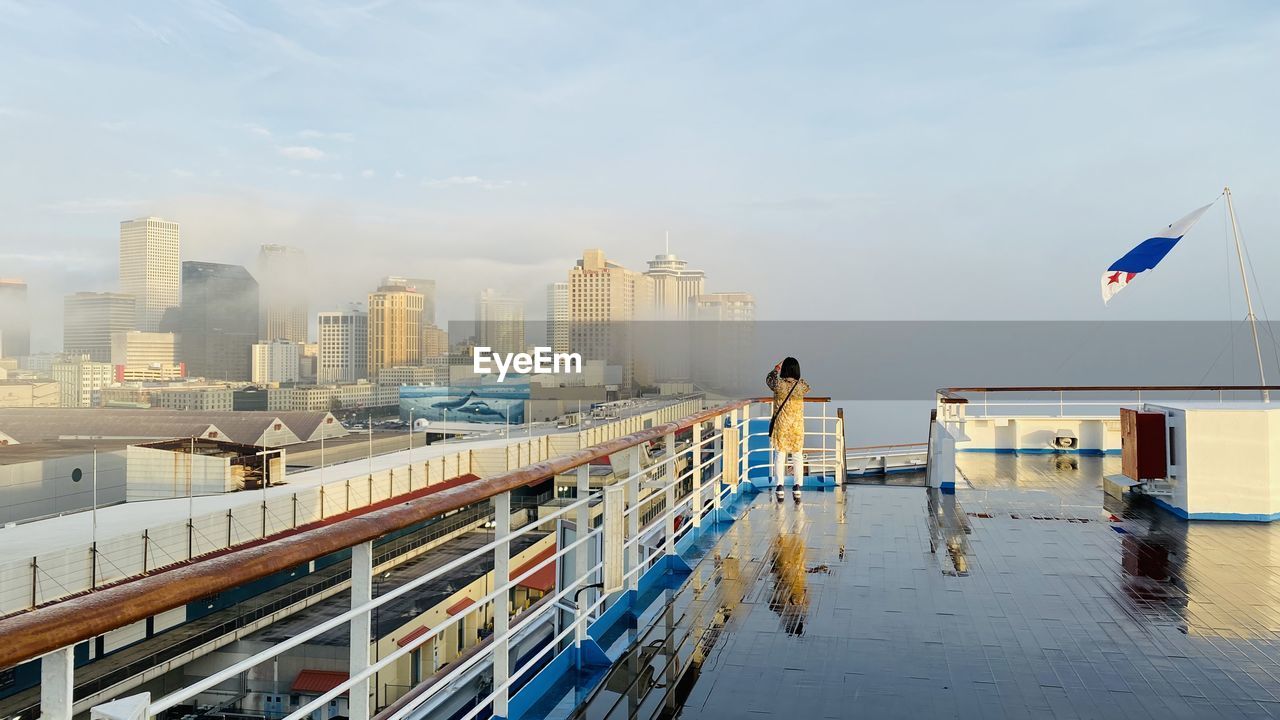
1000	156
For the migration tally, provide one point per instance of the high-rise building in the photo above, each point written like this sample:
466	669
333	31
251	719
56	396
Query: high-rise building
499	322
90	318
395	327
144	356
308	362
283	289
218	322
424	287
149	268
276	361
727	306
604	298
15	318
674	286
79	378
724	337
344	347
435	342
558	316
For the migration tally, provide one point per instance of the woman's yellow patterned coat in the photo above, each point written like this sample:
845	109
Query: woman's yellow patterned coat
788	428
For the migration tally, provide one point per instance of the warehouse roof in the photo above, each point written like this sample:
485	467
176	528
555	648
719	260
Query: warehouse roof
28	425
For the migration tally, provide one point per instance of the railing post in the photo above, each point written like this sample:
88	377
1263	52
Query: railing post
728	460
501	603
842	461
669	457
633	520
825	456
695	459
57	680
361	593
580	555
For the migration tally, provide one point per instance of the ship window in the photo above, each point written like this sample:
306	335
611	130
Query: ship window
1173	447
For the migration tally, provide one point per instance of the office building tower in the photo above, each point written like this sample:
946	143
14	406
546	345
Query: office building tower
90	318
435	342
218	321
149	268
276	362
15	318
724	336
145	356
80	379
424	287
308	362
283	288
499	322
344	347
395	327
604	299
558	316
674	286
727	306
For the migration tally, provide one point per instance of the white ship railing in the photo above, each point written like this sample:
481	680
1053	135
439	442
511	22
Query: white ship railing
642	516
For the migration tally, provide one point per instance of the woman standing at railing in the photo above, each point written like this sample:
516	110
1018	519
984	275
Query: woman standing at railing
786	428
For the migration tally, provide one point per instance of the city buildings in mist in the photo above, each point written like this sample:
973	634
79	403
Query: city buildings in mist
15	318
217	323
229	324
283	287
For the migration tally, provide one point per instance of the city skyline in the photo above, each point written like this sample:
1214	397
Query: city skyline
530	292
842	148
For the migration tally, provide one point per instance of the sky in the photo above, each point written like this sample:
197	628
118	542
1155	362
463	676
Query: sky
924	160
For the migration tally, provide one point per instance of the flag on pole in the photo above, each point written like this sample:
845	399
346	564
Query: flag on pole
1146	255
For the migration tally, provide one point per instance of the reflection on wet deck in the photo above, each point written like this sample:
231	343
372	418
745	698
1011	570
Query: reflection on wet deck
1023	595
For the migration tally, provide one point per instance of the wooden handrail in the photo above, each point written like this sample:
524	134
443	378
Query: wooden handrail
1102	388
30	634
885	447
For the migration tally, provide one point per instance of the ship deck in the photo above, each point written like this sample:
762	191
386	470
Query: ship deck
1027	593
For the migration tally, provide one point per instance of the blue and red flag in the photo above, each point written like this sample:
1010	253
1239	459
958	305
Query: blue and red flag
1146	255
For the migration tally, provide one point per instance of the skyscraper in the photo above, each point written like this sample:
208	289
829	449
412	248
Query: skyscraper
558	316
395	327
604	299
283	289
15	318
79	378
218	322
149	268
344	346
143	356
435	342
424	287
499	322
90	318
276	361
726	306
674	286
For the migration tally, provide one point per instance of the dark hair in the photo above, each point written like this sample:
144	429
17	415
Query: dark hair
790	369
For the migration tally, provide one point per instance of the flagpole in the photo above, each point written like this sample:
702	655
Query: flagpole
1248	300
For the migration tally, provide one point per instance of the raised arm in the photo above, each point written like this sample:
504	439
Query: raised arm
772	378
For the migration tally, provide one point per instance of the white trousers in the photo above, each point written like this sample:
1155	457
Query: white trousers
779	468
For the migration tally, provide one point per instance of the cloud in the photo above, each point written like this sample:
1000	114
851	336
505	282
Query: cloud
256	130
367	173
322	135
300	152
90	206
160	34
468	181
181	173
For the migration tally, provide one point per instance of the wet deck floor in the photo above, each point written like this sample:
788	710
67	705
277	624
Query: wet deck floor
1022	595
